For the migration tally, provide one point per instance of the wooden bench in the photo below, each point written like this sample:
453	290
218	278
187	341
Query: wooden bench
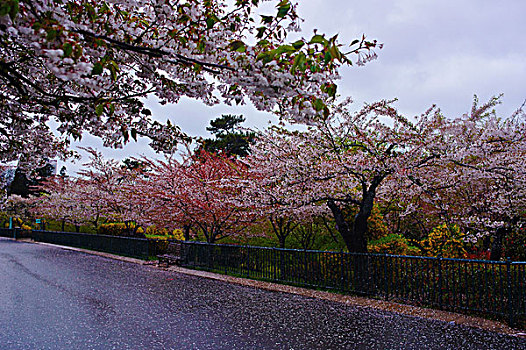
175	254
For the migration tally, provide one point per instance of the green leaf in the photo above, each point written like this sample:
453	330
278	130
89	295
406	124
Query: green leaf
266	57
283	8
327	58
113	72
99	110
298	44
284	49
201	46
335	53
51	35
237	45
263	43
354	42
261	31
211	20
182	40
68	49
330	89
97	69
266	19
318	105
299	62
318	39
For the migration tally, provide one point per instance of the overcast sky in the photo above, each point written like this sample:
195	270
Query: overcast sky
435	52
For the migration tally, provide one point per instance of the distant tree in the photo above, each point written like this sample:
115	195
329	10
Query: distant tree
63	171
20	185
26	180
132	164
477	178
228	139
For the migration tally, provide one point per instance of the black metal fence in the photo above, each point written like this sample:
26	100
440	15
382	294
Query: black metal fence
6	232
128	246
485	287
15	233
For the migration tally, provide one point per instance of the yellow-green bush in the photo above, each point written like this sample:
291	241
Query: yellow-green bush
163	233
118	229
392	244
17	222
445	240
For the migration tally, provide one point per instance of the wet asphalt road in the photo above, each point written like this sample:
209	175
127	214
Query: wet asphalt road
57	299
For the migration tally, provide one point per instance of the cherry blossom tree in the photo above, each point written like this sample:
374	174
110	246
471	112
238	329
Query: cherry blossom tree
345	160
86	66
467	171
478	181
114	188
19	207
273	201
201	191
64	199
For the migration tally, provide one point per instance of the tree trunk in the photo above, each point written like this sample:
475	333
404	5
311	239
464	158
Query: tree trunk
355	238
186	232
63	225
281	240
342	226
77	228
281	228
496	246
360	220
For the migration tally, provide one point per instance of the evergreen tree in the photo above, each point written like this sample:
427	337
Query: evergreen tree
228	138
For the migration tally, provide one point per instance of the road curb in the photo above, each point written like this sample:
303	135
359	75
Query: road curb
403	309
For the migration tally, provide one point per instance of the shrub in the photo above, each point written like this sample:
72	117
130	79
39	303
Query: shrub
445	240
119	229
163	233
392	244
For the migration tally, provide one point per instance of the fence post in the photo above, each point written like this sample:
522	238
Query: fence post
208	255
440	281
386	277
226	259
248	261
510	292
342	278
281	264
275	262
